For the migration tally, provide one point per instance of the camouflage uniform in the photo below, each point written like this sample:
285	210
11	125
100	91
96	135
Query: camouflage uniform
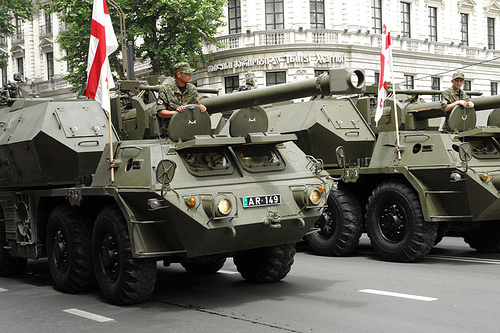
449	96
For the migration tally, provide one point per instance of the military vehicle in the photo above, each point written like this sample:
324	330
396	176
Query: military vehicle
105	200
406	193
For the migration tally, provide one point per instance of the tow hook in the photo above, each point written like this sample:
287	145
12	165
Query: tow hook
273	220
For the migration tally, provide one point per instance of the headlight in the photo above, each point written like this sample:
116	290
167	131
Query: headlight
224	206
314	197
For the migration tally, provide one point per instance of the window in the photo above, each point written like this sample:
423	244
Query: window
274	15
3	40
377	77
408	83
436	85
468	85
405	19
20	65
464	28
274	78
231	83
494	88
317	12
234	9
50	65
491	33
19	29
4	76
48	23
377	16
433	24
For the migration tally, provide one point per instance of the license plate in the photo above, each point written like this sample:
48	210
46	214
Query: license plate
262	200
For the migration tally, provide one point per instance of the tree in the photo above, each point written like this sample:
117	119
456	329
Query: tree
164	32
9	10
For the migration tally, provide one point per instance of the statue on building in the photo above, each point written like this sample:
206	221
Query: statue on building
250	82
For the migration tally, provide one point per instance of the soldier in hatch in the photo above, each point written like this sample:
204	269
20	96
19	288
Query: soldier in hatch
455	96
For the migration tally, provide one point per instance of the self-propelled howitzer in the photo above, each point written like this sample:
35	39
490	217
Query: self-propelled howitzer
193	198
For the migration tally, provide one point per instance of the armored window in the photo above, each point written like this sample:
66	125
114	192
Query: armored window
468	85
50	65
408	83
234	14
231	83
377	16
405	19
491	33
274	14
318	72
494	88
436	85
19	35
433	24
274	78
20	65
464	28
317	12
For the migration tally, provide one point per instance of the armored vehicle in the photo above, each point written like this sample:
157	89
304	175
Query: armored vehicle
105	211
407	188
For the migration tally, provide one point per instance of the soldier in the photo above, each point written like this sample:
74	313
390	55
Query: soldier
454	96
175	95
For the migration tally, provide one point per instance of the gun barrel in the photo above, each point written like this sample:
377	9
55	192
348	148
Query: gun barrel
336	81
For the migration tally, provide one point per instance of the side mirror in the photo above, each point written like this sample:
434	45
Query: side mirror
165	171
339	152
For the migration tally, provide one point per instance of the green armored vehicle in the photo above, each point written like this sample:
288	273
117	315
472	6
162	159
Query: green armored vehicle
407	196
194	198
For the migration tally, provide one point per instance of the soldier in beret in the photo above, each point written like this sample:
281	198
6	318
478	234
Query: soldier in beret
455	96
175	95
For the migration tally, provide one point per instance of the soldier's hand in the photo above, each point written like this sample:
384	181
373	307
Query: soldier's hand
203	108
180	108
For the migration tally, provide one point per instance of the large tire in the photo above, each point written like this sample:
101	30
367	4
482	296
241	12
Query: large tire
208	267
341	225
69	254
122	278
267	264
395	223
486	238
9	265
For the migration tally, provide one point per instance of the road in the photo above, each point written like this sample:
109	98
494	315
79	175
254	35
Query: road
454	289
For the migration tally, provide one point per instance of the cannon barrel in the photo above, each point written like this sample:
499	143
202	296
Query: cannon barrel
429	110
336	81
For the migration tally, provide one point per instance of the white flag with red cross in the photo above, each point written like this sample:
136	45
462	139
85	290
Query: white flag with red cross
385	71
102	43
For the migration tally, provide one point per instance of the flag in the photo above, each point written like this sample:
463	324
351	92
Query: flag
102	43
385	71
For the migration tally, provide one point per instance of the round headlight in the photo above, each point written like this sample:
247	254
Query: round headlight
224	207
314	197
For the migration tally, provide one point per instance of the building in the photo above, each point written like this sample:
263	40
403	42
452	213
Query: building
284	41
287	40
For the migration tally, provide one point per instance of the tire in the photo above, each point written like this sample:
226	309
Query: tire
69	254
201	268
9	265
486	238
395	223
267	264
341	225
122	279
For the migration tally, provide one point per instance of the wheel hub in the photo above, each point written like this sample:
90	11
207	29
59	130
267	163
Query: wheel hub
110	257
60	251
393	222
325	223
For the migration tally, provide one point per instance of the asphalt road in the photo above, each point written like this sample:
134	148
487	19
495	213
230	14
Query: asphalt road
453	290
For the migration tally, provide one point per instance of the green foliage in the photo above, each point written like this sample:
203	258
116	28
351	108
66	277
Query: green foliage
8	11
164	31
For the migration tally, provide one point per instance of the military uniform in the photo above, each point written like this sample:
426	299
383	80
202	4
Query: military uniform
451	95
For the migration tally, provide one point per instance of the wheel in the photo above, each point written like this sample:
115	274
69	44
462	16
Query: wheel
208	267
486	238
69	240
395	223
121	278
267	264
340	225
9	265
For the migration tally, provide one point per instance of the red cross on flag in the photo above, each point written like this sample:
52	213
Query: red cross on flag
385	71
102	43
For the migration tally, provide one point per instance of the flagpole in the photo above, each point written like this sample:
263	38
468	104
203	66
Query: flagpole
111	156
396	120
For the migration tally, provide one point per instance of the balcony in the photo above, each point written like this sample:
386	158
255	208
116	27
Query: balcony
18	36
45	29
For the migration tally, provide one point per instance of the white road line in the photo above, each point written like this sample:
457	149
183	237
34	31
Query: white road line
88	315
465	259
1	289
389	293
227	272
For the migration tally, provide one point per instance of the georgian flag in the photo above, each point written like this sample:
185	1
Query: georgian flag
385	71
102	43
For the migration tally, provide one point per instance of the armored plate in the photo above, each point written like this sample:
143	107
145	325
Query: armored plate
462	119
185	125
248	120
494	118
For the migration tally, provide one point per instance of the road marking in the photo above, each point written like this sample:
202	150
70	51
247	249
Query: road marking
389	293
465	259
227	272
1	289
88	315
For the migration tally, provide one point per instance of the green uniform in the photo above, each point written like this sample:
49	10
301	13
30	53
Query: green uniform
449	96
171	97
